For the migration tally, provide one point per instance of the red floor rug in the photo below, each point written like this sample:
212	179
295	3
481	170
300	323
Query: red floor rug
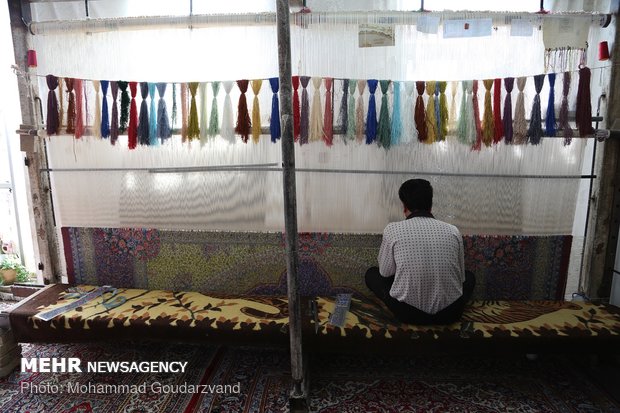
338	383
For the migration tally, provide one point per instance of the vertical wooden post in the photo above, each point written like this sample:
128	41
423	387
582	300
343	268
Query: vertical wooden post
34	146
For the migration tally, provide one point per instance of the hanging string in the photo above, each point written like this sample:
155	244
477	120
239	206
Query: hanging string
96	129
152	115
371	118
163	125
409	133
535	131
70	106
564	125
256	122
520	124
420	115
193	126
132	131
244	124
328	128
174	105
466	124
443	111
79	118
61	101
316	114
105	120
384	127
124	106
184	112
214	119
397	122
304	123
360	111
488	123
497	111
274	124
507	122
227	131
114	127
431	121
296	109
351	110
143	118
52	122
453	124
204	119
343	112
550	126
477	123
583	111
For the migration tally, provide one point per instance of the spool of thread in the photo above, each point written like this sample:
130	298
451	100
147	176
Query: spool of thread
31	56
603	51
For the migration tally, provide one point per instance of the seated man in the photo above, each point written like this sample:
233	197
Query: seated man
421	276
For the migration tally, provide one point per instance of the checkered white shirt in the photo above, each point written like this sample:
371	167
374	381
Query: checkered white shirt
426	258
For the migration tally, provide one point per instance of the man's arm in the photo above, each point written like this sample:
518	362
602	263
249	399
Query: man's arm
462	257
387	265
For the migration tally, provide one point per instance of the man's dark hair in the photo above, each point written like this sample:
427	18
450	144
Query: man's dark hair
416	194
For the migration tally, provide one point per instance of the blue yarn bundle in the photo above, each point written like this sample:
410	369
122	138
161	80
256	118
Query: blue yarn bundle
384	129
105	120
163	125
152	116
143	118
550	126
274	125
371	117
535	131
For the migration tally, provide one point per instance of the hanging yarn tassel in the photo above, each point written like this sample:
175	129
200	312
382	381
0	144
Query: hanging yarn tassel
193	127
343	112
296	109
256	123
132	131
70	106
564	125
52	122
61	104
507	122
184	112
497	111
143	117
443	111
152	116
535	131
488	123
274	125
477	123
304	122
461	128
174	105
520	124
397	123
384	127
316	115
124	106
550	126
420	114
360	111
244	123
163	125
214	119
105	119
114	126
203	115
328	119
86	113
371	118
437	113
79	118
453	124
97	121
409	133
583	111
431	118
351	110
227	131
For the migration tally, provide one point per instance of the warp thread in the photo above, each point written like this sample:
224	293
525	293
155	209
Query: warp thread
397	122
443	119
550	124
256	122
184	111
143	117
114	126
304	122
296	109
328	116
431	118
124	105
488	122
343	111
274	124
203	113
244	123
316	114
360	111
478	126
152	115
520	124
371	117
79	118
507	121
535	131
70	106
227	130
193	125
420	114
497	111
583	111
563	117
97	121
52	123
410	133
214	119
132	131
105	118
163	124
384	127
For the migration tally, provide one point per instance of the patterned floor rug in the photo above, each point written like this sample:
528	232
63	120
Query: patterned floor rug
258	381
